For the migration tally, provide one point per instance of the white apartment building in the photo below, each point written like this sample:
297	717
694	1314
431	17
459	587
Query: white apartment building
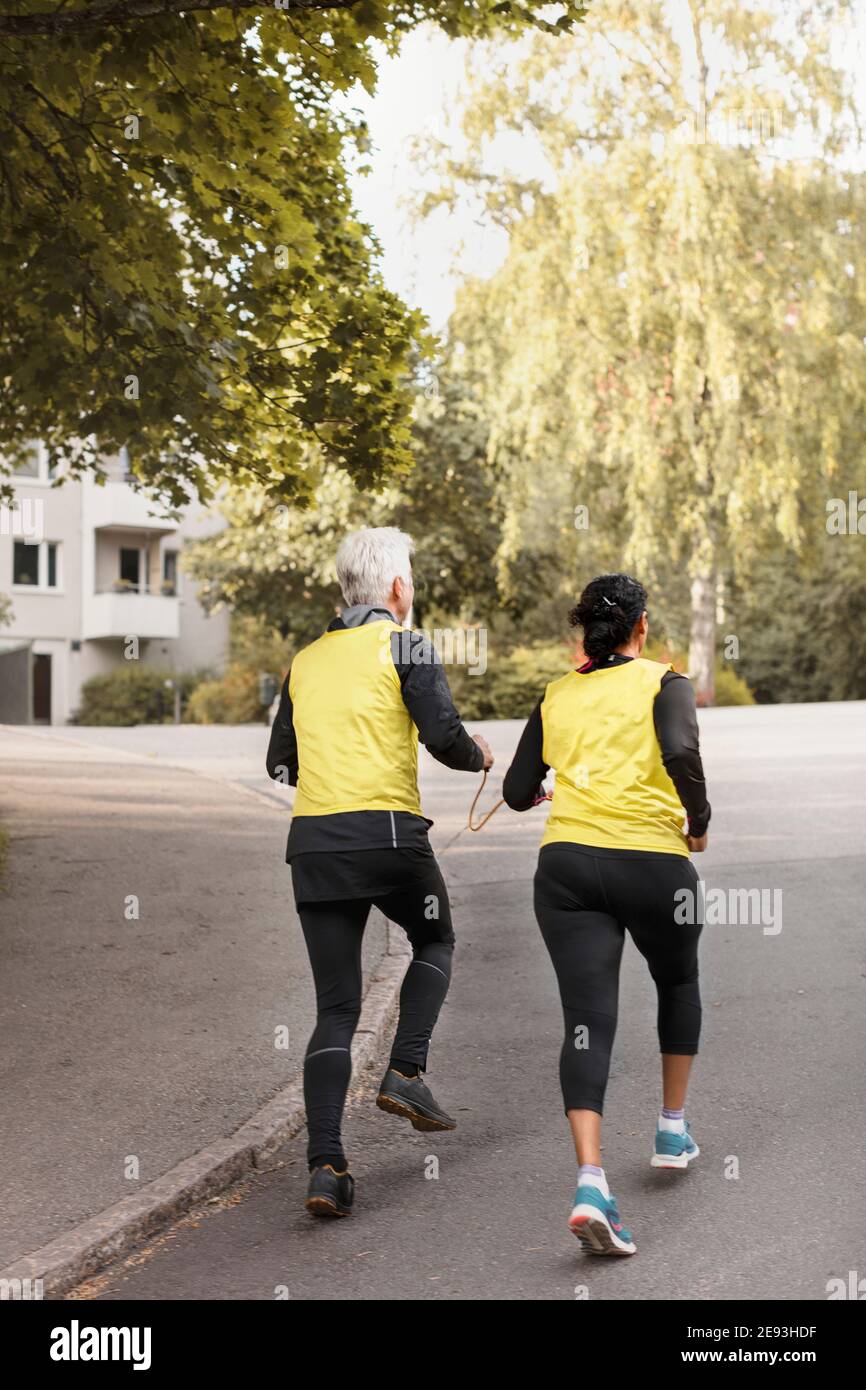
86	568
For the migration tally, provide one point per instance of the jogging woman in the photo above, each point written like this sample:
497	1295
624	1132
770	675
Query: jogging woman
621	734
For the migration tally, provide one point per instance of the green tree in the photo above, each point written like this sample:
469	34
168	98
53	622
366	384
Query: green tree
676	337
181	270
275	563
799	621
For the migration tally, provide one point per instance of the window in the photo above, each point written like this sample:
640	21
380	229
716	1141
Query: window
38	464
169	572
125	466
25	563
36	566
29	465
130	567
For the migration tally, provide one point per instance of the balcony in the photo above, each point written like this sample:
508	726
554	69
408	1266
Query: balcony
116	505
131	614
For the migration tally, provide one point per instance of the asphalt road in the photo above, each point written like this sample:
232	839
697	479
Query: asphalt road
774	1207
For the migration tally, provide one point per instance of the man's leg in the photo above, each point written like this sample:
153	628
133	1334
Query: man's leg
422	909
333	933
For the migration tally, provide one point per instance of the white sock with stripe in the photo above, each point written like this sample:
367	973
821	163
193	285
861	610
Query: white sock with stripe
590	1175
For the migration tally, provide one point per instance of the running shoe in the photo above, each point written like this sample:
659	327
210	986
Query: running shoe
674	1150
597	1223
330	1193
412	1098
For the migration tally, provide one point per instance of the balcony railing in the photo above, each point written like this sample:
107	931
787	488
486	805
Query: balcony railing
127	612
116	505
166	589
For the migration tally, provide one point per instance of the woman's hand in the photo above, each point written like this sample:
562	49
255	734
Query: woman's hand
697	843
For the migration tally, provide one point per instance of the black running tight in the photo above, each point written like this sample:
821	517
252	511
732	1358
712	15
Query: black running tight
333	931
585	902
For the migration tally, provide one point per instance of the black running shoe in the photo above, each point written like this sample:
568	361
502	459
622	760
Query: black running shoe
330	1193
411	1098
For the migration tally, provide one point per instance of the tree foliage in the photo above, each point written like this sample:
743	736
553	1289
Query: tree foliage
275	563
181	269
677	336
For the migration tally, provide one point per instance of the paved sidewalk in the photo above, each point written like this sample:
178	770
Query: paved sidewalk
142	1038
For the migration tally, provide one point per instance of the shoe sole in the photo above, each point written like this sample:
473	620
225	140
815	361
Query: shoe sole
323	1206
595	1234
672	1161
407	1112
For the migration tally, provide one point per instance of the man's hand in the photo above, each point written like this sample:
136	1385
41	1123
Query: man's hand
697	843
485	748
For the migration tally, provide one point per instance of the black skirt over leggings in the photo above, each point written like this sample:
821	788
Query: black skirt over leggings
585	901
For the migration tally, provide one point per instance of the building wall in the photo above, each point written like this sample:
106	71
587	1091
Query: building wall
52	620
204	640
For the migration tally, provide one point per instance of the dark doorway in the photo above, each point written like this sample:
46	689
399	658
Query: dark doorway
42	689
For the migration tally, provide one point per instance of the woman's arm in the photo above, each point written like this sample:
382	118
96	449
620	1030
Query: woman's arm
676	722
522	786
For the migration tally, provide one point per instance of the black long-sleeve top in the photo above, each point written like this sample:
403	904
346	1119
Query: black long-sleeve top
676	725
427	697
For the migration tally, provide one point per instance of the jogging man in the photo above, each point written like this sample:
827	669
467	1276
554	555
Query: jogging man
352	709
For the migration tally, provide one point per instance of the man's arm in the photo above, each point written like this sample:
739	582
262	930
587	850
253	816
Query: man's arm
282	760
427	697
522	786
676	723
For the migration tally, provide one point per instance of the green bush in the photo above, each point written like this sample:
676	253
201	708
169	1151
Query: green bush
132	694
731	689
231	699
513	683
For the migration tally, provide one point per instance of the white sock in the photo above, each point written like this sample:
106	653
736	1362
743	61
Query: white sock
586	1177
672	1126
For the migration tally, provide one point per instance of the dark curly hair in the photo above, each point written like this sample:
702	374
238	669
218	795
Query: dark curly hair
607	610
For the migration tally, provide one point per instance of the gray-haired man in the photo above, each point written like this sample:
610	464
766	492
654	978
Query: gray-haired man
352	710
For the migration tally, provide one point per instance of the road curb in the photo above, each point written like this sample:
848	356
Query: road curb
78	1254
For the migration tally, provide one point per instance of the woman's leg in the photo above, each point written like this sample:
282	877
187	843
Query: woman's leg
586	1133
585	946
676	1069
653	891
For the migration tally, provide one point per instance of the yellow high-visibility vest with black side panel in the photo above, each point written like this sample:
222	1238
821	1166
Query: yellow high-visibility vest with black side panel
357	744
612	790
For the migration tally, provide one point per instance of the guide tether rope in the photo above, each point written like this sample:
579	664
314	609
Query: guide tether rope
469	823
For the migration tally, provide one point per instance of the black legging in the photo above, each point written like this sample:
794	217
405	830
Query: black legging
333	932
585	901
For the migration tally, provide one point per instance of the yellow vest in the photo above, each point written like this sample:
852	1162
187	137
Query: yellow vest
611	790
357	744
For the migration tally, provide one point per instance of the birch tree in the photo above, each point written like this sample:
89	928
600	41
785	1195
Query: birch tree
676	336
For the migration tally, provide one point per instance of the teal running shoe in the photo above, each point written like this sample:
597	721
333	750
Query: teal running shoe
597	1223
674	1150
